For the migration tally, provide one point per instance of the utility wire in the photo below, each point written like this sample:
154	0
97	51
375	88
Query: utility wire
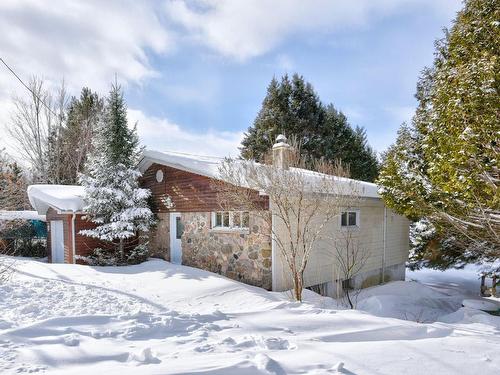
27	87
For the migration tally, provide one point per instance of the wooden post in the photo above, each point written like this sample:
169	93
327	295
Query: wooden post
483	284
494	286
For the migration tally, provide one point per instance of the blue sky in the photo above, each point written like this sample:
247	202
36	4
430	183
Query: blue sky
195	72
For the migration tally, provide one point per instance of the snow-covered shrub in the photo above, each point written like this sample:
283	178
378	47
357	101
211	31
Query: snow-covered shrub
107	257
139	254
101	257
19	238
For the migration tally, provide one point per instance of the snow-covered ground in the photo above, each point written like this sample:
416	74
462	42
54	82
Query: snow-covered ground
159	318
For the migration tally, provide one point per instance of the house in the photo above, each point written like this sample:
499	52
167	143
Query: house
197	233
62	206
192	230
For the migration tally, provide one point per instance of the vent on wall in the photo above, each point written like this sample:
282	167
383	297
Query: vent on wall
159	175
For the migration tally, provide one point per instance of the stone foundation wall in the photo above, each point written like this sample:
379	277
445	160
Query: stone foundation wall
243	255
159	238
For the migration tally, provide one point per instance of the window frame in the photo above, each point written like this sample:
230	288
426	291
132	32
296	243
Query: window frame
357	212
231	222
179	225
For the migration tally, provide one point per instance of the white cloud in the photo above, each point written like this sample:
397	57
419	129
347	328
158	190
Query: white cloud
161	134
86	42
245	29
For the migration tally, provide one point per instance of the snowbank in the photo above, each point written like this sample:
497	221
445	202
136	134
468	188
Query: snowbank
20	215
159	318
481	304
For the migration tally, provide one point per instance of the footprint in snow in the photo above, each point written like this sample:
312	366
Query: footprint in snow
145	356
267	343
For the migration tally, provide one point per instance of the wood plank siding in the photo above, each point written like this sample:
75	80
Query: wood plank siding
83	245
189	192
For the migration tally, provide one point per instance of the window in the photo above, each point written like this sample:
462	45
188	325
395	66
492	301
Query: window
230	219
349	219
179	228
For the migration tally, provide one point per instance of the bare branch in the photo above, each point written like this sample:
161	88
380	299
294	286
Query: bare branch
297	202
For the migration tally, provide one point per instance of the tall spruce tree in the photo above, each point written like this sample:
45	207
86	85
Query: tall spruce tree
114	201
292	107
445	166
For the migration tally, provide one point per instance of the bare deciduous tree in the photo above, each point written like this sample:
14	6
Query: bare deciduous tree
84	113
304	196
35	127
350	258
12	185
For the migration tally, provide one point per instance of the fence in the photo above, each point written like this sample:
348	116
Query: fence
21	237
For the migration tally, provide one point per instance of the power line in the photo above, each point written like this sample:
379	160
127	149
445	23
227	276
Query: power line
27	87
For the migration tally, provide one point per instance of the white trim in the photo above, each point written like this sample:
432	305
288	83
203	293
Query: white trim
273	255
231	226
56	228
385	244
73	236
173	237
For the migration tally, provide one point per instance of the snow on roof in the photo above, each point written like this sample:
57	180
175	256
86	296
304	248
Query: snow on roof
20	215
209	166
203	165
59	197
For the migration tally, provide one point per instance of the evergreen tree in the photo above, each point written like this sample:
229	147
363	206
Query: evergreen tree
293	108
113	198
446	168
290	107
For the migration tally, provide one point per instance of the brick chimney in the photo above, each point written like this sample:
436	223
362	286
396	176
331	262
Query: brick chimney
281	152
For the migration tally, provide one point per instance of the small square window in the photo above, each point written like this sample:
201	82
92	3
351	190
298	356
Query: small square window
349	219
230	219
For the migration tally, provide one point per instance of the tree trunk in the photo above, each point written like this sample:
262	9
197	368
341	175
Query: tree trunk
122	254
346	291
494	286
297	286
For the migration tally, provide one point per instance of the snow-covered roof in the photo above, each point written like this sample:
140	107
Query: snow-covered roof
203	165
20	215
59	197
209	166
